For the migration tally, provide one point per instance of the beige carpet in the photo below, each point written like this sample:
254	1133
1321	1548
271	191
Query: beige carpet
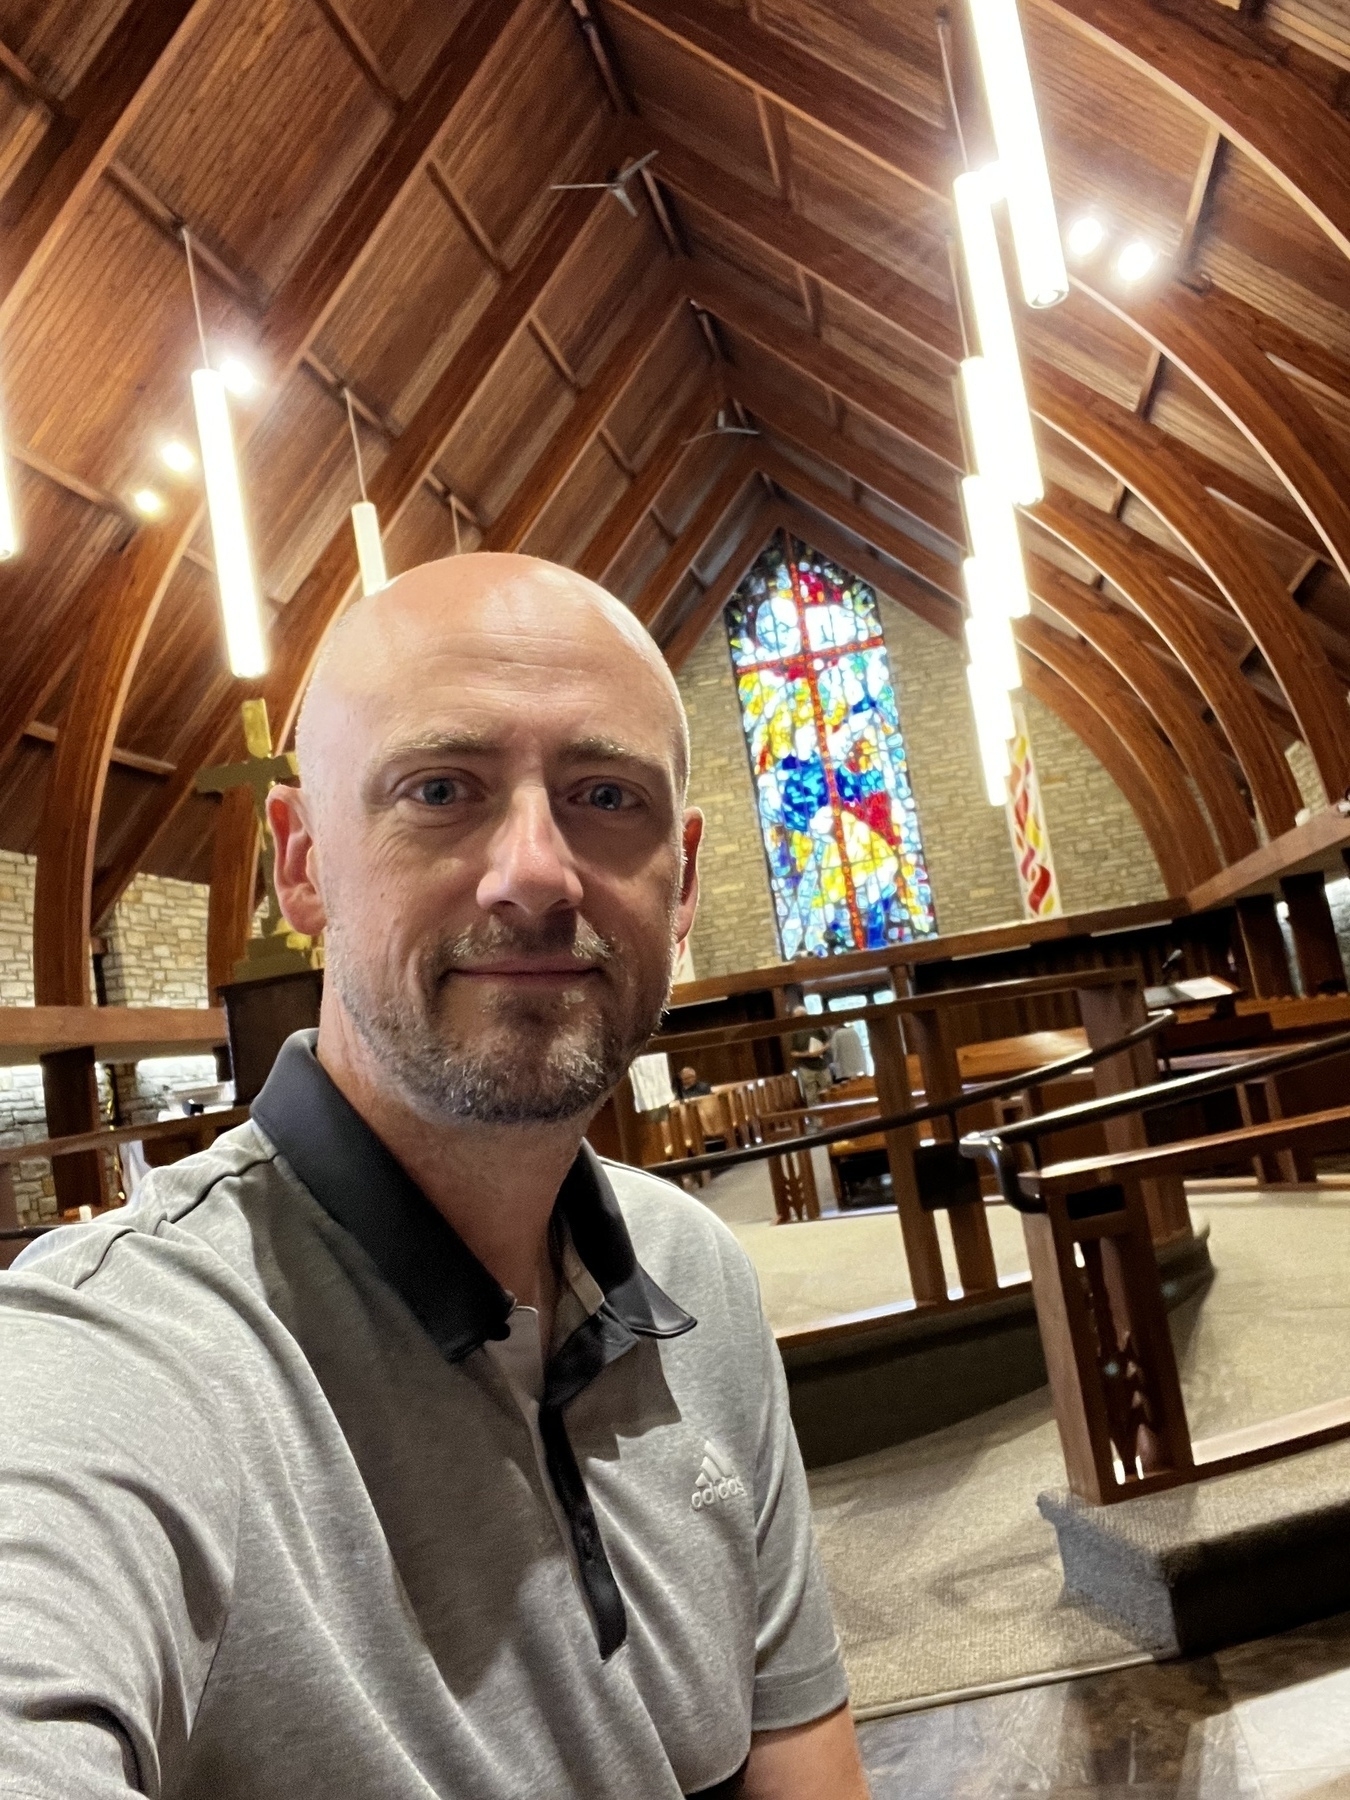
943	1573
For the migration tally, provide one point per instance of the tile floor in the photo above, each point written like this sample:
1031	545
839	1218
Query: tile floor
1262	1721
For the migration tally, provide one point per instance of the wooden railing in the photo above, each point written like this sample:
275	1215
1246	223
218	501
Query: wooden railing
935	1027
1098	1290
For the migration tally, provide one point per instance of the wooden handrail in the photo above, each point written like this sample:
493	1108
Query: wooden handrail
941	1000
918	1115
1306	1130
42	1149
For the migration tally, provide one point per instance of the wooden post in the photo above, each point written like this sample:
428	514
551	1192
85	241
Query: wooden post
1264	942
70	1091
1315	941
1109	1013
927	1277
934	1039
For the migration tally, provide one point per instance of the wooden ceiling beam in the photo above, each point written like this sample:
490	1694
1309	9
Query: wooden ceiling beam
95	119
302	625
588	412
782	71
772	224
1223	69
938	572
740	310
1086	724
1193	640
688	633
683	553
1129	449
1123	713
938	511
641	494
773	228
124	594
1116	635
1247	387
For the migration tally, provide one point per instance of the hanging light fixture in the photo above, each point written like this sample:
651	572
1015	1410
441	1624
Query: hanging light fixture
365	520
9	535
989	635
994	729
1021	150
1003	420
994	540
235	578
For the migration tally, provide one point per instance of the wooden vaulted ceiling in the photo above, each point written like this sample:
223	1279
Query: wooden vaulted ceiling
371	185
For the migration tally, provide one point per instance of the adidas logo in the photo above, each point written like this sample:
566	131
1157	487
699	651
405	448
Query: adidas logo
715	1481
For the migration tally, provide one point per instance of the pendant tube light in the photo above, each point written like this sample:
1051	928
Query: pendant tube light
997	547
1021	150
235	577
1005	452
229	535
1005	395
365	520
994	729
989	636
9	535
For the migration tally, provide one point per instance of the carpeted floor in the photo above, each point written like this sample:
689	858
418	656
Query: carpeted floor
944	1575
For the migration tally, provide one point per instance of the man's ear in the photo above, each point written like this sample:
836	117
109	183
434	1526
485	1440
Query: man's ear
688	906
297	861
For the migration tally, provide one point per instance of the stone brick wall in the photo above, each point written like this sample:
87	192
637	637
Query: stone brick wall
1102	857
735	927
965	840
1101	854
156	957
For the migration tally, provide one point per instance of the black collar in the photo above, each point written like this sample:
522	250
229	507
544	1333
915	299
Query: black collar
359	1183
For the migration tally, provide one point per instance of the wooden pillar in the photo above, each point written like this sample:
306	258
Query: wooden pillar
1108	1013
927	1277
1314	935
934	1038
70	1090
1264	943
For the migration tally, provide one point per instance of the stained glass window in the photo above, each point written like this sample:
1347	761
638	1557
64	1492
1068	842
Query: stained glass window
846	862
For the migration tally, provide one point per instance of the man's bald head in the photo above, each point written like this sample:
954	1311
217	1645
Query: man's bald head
386	639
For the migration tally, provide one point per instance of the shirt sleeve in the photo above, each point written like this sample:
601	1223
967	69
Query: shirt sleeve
799	1673
119	1497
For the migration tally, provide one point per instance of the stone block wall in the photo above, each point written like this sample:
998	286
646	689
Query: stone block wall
1102	857
735	927
156	957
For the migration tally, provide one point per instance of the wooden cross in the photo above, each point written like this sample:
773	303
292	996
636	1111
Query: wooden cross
276	949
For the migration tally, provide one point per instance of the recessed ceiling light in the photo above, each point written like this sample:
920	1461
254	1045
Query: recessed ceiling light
148	503
1135	260
238	377
1085	235
176	456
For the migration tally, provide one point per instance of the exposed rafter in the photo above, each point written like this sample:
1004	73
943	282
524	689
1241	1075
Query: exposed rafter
1222	69
687	634
320	597
684	552
638	498
1124	714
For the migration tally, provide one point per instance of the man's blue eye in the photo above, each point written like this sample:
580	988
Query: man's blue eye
437	793
608	796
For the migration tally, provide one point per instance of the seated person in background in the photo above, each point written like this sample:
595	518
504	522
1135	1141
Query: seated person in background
397	1446
808	1051
690	1084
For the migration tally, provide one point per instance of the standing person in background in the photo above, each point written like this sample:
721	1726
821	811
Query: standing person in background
808	1051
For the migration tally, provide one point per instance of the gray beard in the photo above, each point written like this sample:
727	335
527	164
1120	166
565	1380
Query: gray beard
533	1063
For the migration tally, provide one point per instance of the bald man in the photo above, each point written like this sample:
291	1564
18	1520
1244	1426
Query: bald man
397	1446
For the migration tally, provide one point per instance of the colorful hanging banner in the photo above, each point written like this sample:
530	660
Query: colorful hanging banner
1030	838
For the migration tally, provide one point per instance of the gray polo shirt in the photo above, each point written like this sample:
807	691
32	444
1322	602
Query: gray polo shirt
289	1509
